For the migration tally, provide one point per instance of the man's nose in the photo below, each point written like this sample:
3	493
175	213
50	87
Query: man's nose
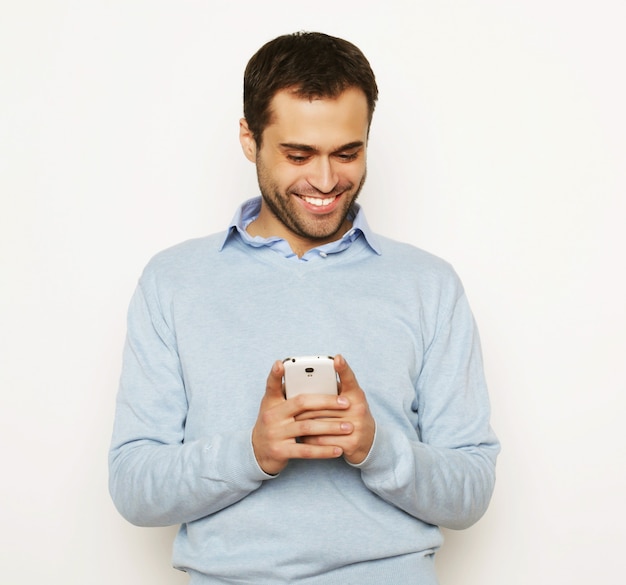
322	175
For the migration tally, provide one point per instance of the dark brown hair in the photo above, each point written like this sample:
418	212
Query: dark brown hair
314	65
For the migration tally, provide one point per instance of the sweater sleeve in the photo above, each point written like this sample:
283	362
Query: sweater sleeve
445	474
155	477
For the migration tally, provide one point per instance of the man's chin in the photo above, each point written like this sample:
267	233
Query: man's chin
321	234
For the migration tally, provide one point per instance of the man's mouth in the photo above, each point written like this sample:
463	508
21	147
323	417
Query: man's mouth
318	201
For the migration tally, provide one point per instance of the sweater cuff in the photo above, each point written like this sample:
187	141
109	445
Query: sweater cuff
231	459
384	457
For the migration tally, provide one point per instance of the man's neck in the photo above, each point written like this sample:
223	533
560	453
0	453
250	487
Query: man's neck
299	244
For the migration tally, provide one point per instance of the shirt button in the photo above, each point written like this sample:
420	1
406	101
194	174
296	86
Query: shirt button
323	254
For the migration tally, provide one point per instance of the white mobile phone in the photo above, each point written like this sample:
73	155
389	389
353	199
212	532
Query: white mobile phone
312	374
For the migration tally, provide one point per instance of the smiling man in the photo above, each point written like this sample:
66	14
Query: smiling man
311	166
319	489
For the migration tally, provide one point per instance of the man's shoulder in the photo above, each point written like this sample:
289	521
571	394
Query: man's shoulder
185	256
413	268
409	255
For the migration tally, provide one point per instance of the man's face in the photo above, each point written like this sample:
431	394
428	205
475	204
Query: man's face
311	166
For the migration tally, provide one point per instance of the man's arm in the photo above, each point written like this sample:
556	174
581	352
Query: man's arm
156	478
445	475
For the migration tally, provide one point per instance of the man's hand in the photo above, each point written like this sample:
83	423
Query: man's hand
357	443
281	422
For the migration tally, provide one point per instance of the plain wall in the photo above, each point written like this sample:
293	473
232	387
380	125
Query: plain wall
498	143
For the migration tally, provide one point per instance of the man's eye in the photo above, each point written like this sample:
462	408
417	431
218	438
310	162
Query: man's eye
297	158
347	156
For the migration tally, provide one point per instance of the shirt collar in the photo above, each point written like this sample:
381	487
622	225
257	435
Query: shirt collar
248	211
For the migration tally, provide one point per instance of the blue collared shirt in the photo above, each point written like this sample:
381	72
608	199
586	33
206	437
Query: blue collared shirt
249	211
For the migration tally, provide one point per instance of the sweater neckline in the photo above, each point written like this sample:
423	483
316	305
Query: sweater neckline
268	255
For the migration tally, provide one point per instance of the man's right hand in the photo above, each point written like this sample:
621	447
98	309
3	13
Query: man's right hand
276	429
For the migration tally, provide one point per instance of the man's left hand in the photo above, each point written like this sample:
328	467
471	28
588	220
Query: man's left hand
357	444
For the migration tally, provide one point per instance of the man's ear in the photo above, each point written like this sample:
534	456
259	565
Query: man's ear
248	143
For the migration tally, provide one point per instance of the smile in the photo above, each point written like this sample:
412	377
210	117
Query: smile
319	201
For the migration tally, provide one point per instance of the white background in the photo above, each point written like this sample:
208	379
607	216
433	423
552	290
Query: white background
498	143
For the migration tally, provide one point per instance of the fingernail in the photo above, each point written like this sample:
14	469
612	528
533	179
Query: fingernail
341	400
346	426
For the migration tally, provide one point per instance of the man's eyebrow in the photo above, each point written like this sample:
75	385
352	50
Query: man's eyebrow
351	145
309	148
294	146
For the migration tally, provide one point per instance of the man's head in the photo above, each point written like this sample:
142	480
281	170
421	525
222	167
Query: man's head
308	102
310	64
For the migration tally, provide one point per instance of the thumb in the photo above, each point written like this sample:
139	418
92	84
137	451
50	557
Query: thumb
347	379
274	384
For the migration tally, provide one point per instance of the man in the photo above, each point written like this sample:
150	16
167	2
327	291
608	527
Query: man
314	489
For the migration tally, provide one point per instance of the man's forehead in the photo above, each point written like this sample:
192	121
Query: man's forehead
292	115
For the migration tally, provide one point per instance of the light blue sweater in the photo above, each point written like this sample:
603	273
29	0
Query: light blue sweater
204	327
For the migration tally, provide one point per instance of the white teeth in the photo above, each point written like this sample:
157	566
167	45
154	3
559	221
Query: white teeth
318	202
